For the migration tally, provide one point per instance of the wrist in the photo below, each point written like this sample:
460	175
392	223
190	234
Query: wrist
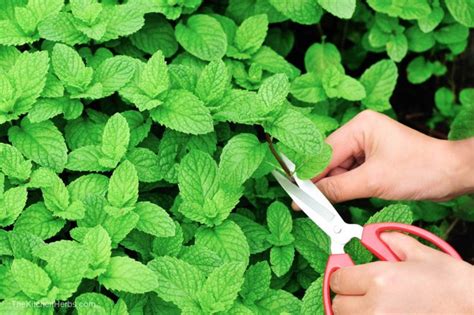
460	155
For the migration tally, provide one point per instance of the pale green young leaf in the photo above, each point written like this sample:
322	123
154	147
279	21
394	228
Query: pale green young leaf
13	164
309	166
251	34
93	303
240	157
123	186
203	37
169	246
55	193
313	299
279	301
87	185
31	278
154	78
197	177
126	274
240	106
281	259
115	138
98	242
300	11
351	89
183	111
256	283
296	131
213	83
227	240
379	81
178	281
221	288
86	10
23	244
342	9
122	20
46	108
42	142
154	220
119	227
38	220
70	68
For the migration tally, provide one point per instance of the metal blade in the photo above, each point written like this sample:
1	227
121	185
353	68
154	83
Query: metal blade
325	218
309	187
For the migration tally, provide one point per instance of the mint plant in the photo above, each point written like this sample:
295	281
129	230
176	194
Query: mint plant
138	137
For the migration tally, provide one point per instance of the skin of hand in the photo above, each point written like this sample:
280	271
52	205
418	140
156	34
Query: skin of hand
426	281
376	156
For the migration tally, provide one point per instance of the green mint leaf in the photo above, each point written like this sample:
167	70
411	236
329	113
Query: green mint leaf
88	158
154	78
154	220
61	28
269	60
98	242
379	82
342	9
308	88
122	20
274	90
432	20
451	34
70	68
146	163
42	142
462	11
240	157
126	274
213	82
202	257
444	101
281	259
179	282
115	139
157	34
255	233
279	301
197	177
256	283
397	47
183	111
462	125
393	213
313	299
319	56
93	303
114	73
13	164
296	131
38	220
419	70
300	11
123	186
279	220
119	227
251	34
309	166
227	240
203	37
221	288
312	243
241	106
169	246
31	278
418	41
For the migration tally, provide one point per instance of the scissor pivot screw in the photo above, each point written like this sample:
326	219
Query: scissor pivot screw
337	229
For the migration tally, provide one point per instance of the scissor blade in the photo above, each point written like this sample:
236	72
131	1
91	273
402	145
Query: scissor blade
314	209
309	186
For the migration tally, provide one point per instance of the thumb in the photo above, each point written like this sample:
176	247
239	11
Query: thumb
346	186
404	246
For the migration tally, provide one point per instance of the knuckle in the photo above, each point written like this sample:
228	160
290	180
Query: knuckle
332	190
367	114
336	304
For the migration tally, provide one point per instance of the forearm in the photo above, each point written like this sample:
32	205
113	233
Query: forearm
461	165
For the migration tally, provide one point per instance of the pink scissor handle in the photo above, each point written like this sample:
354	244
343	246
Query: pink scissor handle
335	262
372	241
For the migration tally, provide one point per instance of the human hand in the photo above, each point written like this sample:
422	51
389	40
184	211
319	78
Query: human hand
375	156
427	281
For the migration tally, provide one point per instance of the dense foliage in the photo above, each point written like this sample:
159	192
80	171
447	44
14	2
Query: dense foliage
135	152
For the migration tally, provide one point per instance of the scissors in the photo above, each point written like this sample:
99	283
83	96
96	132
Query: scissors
320	210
